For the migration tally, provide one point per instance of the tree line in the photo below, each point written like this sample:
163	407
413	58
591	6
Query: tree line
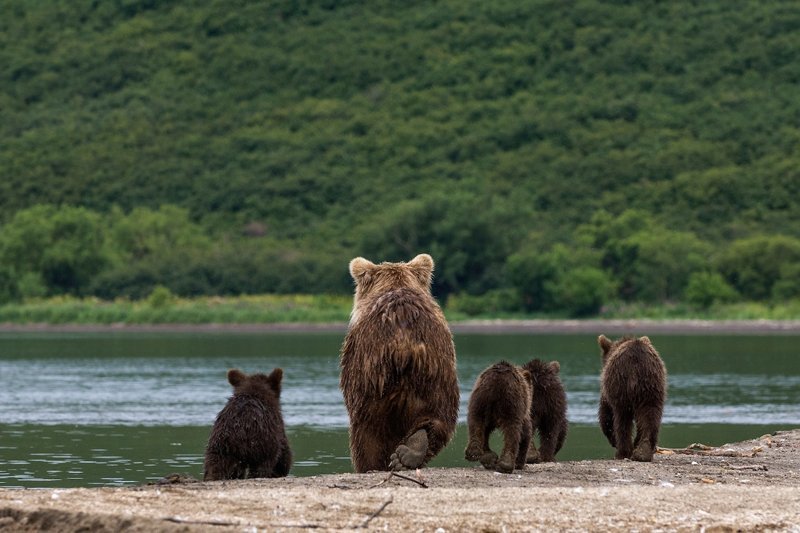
549	155
46	251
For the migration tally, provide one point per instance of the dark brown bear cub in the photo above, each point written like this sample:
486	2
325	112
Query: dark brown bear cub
633	388
501	399
398	367
548	410
248	439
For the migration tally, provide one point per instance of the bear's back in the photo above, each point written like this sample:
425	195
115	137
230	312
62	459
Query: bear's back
634	372
400	336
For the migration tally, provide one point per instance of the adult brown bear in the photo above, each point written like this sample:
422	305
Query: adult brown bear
249	438
398	367
633	388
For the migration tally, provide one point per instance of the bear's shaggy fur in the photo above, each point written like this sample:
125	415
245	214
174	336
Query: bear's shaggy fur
248	439
633	388
548	410
398	367
501	399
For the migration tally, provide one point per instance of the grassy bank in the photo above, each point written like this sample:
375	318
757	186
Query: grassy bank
164	308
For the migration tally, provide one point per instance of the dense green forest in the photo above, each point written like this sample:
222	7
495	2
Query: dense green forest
553	156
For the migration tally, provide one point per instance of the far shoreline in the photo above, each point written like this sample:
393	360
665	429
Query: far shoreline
486	327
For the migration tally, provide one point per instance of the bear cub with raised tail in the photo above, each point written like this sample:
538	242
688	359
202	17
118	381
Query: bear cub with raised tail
501	399
548	410
633	388
248	439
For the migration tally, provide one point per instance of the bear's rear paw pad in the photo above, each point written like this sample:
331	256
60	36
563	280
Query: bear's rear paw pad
504	466
643	454
488	460
411	454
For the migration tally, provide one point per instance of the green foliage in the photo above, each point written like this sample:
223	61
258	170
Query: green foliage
754	265
64	247
493	303
707	288
160	297
582	291
571	151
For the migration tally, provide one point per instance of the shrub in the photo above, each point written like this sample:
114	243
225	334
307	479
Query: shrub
707	288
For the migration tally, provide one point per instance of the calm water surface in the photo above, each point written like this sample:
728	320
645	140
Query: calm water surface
127	408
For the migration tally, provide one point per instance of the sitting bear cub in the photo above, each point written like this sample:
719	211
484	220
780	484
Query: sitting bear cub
398	366
501	399
633	387
248	439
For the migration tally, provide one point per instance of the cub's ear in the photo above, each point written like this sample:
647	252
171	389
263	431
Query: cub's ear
646	340
236	377
360	266
422	265
527	375
555	366
275	379
604	343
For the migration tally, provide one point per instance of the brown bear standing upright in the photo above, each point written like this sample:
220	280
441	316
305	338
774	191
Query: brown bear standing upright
248	438
633	388
548	410
398	367
501	399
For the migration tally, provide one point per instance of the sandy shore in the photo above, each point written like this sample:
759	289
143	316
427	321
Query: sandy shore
594	326
751	485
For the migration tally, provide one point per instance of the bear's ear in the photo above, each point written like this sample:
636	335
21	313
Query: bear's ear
422	265
527	375
604	343
275	380
236	377
646	340
360	266
555	366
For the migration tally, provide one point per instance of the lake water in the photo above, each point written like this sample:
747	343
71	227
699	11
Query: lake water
127	408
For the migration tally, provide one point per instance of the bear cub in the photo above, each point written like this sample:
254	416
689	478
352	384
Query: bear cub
248	439
398	367
548	411
633	388
501	399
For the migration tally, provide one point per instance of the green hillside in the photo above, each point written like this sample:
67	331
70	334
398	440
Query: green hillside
551	155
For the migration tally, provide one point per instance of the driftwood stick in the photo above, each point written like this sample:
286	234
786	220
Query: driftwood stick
366	522
222	523
401	476
417	481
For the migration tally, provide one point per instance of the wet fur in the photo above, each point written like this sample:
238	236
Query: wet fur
633	389
398	363
501	399
548	410
248	439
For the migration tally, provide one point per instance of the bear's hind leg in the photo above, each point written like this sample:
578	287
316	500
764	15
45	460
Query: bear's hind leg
478	440
547	442
524	444
623	425
533	453
284	464
648	423
218	467
412	454
606	416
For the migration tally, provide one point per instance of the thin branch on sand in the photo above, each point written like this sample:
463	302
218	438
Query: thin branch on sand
392	473
366	522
